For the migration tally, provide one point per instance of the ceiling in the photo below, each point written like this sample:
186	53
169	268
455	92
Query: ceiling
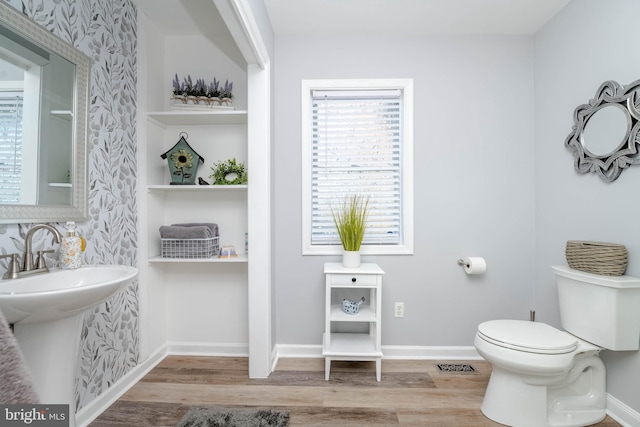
190	18
184	17
416	17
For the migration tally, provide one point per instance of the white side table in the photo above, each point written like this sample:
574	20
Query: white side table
360	346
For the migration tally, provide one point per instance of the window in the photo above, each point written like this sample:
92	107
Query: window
10	147
358	139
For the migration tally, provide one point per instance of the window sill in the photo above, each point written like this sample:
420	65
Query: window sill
365	250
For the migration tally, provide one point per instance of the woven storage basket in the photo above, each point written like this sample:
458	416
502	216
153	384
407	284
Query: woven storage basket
607	259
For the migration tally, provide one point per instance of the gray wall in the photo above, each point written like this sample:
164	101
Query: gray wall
474	183
589	42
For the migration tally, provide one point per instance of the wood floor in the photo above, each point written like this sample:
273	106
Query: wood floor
411	393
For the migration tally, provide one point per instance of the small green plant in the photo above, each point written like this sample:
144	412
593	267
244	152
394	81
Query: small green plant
351	220
229	172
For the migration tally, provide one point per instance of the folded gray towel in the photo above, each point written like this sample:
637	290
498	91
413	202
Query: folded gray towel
179	232
213	227
16	385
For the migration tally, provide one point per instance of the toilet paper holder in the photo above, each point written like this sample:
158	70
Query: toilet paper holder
473	265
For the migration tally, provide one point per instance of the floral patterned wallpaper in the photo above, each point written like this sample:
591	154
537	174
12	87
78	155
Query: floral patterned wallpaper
105	30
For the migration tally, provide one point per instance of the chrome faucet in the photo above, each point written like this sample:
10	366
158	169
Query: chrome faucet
28	255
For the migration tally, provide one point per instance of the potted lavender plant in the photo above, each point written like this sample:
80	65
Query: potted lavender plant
200	95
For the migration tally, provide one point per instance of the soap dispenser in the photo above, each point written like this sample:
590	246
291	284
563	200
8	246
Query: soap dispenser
71	248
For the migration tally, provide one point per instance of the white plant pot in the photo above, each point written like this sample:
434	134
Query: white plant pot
351	259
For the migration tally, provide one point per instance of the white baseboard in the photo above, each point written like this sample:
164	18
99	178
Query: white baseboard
274	358
389	351
97	406
430	352
622	413
303	351
208	349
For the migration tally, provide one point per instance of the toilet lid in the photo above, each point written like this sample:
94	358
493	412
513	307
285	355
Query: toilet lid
532	337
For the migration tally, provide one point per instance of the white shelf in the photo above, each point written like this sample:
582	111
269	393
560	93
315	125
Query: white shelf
60	184
352	345
167	187
222	117
366	314
63	114
239	259
365	345
365	268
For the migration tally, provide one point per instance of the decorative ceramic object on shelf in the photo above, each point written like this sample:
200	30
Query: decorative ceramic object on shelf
227	251
351	222
200	95
183	163
351	307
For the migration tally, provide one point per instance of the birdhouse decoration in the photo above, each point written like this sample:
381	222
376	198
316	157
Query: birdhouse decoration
183	163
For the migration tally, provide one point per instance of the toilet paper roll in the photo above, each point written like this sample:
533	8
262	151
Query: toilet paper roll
475	265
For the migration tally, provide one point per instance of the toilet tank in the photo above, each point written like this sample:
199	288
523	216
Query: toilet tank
603	310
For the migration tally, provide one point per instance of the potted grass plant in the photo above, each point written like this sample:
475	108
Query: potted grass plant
350	219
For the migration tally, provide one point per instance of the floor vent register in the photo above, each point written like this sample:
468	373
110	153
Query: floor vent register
455	367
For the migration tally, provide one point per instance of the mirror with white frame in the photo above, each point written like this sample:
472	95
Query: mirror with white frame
606	132
44	97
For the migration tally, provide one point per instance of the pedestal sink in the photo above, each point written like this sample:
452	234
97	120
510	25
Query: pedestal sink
46	311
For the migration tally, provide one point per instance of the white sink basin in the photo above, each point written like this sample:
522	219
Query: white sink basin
58	294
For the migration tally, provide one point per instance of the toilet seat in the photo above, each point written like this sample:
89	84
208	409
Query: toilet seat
530	337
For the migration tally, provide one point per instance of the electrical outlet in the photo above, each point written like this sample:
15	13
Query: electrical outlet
399	309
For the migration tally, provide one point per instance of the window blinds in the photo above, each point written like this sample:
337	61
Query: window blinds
10	148
356	148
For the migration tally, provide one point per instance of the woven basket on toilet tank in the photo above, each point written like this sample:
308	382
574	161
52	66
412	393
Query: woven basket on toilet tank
607	259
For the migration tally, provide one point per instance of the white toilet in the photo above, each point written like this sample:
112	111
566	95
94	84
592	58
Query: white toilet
546	377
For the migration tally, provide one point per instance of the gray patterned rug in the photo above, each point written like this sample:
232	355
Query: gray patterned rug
226	417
